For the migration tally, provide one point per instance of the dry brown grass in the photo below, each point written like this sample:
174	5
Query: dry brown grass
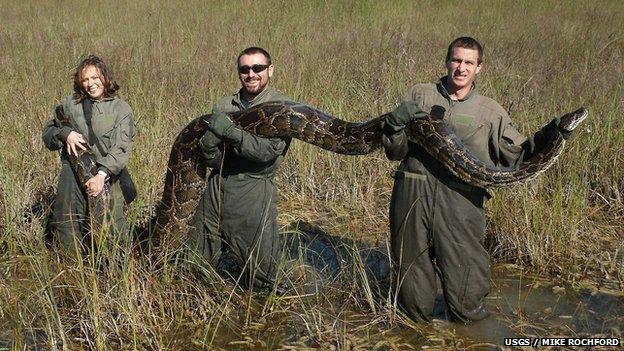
353	59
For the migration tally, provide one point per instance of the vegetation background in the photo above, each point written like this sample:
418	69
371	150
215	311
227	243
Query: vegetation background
353	59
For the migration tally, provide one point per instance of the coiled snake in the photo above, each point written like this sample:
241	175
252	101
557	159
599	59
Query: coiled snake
186	170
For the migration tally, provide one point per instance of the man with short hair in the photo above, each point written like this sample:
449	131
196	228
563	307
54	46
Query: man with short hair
437	221
238	210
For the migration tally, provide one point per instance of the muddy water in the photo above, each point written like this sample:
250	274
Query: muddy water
521	306
528	306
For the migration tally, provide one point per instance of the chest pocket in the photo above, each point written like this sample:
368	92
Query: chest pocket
468	128
103	128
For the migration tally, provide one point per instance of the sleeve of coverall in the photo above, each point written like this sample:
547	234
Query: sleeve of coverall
210	145
260	149
394	139
514	147
122	139
255	148
55	134
395	143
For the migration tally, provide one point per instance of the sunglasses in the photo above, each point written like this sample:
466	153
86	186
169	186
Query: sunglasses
255	68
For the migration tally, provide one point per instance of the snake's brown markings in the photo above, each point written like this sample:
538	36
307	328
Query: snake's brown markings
85	167
186	170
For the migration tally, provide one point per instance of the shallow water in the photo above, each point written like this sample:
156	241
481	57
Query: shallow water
520	306
527	306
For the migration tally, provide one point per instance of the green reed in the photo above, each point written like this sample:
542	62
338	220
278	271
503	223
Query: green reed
353	59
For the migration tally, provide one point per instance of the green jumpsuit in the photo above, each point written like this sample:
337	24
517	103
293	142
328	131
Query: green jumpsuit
238	210
437	221
113	127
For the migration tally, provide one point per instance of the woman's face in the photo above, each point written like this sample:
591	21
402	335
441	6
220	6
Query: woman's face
92	82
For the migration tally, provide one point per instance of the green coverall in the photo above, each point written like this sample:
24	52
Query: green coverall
437	221
113	126
238	209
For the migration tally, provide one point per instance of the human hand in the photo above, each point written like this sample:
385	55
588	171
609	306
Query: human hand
95	185
220	124
209	145
75	139
209	140
406	112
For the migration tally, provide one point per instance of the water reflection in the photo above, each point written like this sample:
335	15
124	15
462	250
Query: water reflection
520	305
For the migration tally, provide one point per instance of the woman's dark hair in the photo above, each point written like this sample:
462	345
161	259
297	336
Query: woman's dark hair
110	86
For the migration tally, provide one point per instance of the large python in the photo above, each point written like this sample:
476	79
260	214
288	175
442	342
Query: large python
186	169
84	167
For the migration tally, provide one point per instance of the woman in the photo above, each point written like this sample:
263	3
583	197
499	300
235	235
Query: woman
100	121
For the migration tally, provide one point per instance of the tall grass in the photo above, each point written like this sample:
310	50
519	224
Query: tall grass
353	59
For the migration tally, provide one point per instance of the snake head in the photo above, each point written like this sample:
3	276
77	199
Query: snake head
570	121
60	114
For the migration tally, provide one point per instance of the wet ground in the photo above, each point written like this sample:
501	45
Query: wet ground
521	306
532	307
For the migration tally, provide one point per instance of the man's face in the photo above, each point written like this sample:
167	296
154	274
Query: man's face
254	73
463	67
92	82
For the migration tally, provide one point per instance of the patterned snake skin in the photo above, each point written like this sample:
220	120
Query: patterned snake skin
186	170
84	168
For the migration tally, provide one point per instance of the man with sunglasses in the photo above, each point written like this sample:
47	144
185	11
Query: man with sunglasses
238	211
437	221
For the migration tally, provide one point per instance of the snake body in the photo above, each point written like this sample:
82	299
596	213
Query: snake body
186	171
84	167
186	168
435	136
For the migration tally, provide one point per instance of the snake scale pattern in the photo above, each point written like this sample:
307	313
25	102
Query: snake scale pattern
186	168
84	167
186	171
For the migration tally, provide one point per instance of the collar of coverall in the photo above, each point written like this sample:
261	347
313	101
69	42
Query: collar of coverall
109	98
442	90
238	98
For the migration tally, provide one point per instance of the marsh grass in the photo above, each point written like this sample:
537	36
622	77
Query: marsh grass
353	59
